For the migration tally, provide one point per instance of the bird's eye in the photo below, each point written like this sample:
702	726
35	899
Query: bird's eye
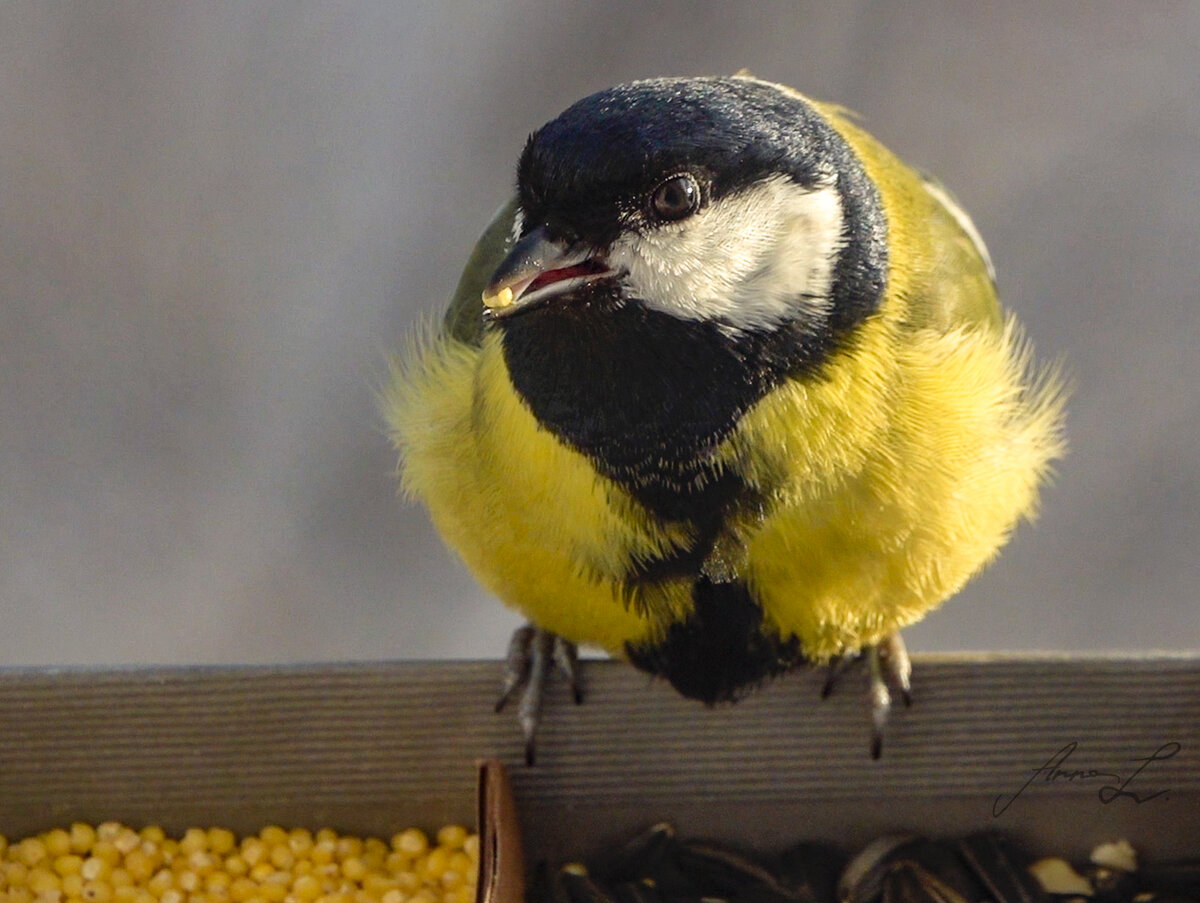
676	198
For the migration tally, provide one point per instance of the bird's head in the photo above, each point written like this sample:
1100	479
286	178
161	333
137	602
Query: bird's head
724	201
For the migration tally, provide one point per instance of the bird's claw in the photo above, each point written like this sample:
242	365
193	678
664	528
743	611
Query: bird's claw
835	669
532	654
890	670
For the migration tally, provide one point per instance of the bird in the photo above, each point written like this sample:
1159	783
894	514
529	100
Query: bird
725	390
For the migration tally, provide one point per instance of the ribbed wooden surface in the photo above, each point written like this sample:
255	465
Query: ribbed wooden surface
374	747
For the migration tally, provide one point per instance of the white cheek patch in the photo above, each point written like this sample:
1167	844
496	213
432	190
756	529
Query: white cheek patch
753	259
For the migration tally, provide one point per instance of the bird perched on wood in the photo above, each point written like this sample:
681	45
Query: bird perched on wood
725	389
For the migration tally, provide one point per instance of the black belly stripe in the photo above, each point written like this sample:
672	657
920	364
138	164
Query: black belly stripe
720	651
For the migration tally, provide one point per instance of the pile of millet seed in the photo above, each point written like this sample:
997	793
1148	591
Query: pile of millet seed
113	863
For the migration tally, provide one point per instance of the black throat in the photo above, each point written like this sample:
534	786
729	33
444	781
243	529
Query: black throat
646	396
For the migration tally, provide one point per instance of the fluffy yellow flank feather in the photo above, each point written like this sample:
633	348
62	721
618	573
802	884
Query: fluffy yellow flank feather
889	518
530	516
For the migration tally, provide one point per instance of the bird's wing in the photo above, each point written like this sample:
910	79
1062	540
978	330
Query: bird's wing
960	289
464	318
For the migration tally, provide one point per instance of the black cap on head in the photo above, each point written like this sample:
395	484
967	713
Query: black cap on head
587	167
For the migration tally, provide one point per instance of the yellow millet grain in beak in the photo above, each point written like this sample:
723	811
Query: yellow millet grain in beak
498	300
113	863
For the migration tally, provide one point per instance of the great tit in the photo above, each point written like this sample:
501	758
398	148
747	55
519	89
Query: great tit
724	389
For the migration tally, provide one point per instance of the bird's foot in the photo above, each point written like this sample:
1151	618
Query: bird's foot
532	654
890	671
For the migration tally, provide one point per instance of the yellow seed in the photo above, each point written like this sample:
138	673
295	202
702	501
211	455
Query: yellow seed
82	836
187	880
172	895
117	878
217	882
72	885
354	868
139	865
20	895
202	862
412	842
235	865
42	880
31	851
242	889
282	856
160	882
262	871
436	862
452	836
323	851
461	862
105	851
153	834
126	894
306	887
94	868
221	841
58	842
15	873
302	867
409	881
471	847
393	896
272	892
377	884
349	847
498	300
127	840
194	840
300	841
272	835
67	863
254	850
329	871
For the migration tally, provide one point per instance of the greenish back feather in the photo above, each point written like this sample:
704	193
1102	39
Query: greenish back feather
961	288
464	318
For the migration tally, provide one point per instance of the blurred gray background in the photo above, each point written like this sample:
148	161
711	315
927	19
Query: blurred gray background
218	219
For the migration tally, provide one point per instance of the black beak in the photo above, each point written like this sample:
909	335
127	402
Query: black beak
538	268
